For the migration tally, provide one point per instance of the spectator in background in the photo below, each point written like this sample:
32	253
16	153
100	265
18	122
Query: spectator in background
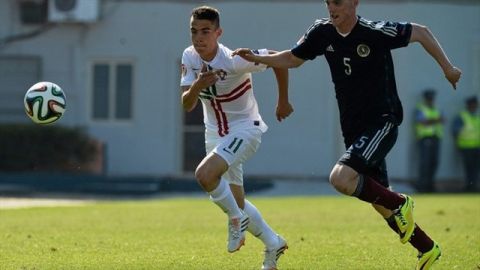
429	131
466	131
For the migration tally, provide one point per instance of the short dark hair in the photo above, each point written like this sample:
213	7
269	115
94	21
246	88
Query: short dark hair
471	100
429	93
207	13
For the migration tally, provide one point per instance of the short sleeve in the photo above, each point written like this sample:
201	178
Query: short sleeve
241	65
310	45
394	34
188	76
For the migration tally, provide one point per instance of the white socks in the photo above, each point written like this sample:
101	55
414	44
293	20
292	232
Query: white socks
258	227
223	197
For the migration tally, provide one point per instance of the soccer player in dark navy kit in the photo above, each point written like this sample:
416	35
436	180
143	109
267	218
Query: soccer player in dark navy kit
358	53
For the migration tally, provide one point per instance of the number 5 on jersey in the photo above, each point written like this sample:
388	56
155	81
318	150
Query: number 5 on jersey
348	67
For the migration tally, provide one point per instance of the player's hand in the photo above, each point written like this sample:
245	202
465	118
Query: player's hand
453	75
246	54
283	110
206	78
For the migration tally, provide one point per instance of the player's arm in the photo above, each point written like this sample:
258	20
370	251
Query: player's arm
190	93
424	36
189	97
284	108
284	59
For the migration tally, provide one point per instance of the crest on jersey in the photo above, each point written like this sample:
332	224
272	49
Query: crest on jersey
221	74
363	50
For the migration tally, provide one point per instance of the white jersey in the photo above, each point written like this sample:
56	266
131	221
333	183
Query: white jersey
229	105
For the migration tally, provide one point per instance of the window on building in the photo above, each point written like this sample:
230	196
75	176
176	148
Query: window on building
112	84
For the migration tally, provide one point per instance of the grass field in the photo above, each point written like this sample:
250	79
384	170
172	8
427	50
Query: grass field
190	233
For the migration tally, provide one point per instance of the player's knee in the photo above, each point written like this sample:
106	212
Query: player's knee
201	175
209	171
205	177
339	182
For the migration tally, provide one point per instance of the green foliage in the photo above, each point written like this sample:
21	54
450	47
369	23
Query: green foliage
185	233
43	148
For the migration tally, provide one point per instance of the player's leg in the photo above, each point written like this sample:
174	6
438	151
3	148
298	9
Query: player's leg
419	240
257	226
275	244
346	180
212	175
239	194
236	149
208	175
428	250
348	175
425	246
236	225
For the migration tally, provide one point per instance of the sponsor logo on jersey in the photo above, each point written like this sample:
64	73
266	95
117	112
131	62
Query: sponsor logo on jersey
363	50
330	48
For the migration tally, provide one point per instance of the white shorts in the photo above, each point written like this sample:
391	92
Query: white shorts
235	148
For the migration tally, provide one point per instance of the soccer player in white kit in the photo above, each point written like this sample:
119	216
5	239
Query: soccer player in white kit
233	126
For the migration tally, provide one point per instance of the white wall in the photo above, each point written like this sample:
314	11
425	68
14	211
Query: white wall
154	34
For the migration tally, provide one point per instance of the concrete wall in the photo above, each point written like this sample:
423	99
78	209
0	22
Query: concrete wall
153	35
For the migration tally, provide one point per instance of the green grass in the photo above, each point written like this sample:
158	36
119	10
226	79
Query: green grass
190	233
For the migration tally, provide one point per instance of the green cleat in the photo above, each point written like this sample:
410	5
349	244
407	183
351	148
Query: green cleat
427	259
404	219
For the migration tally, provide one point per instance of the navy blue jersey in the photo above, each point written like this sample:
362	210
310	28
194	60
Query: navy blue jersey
362	69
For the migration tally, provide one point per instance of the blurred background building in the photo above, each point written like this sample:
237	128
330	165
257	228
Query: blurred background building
118	62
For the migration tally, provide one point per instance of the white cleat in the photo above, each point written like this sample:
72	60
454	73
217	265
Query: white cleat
236	232
272	255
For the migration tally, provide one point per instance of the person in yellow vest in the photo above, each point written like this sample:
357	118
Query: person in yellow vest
429	132
466	131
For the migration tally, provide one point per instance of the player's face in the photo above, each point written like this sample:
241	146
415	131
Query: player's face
204	35
342	13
